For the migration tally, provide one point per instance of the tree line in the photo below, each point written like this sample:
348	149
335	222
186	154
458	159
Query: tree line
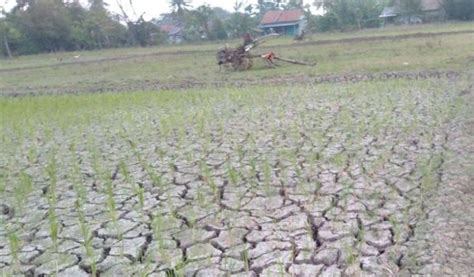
37	26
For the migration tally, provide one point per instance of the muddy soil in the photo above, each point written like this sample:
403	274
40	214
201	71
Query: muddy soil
151	85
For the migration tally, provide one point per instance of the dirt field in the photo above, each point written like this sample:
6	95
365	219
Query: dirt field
359	56
345	174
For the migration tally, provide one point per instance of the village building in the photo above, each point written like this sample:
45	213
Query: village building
175	33
287	22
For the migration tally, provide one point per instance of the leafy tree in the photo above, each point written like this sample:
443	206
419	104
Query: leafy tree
294	4
4	36
218	29
410	6
143	32
21	5
240	23
81	36
202	16
264	6
349	14
47	24
18	42
277	4
105	30
221	13
52	25
179	6
311	20
459	9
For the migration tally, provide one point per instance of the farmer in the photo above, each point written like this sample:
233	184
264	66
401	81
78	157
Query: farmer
247	39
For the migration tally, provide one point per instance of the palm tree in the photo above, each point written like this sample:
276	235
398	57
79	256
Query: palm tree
179	6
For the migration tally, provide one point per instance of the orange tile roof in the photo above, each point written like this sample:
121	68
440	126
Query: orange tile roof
273	17
167	28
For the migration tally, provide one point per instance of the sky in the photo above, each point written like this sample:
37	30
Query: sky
153	8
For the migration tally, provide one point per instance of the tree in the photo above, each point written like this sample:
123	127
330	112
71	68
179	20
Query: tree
218	29
410	6
47	24
35	26
311	19
104	29
81	37
21	5
240	22
221	13
179	6
294	4
202	16
143	32
263	6
276	4
459	9
4	31
348	14
97	5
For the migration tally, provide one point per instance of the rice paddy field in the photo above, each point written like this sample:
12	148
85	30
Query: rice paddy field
359	166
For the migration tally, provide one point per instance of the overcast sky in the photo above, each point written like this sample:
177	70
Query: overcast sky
153	8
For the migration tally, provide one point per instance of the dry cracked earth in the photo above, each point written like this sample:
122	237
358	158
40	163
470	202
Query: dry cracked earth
364	179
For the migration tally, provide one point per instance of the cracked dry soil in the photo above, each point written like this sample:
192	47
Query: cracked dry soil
360	179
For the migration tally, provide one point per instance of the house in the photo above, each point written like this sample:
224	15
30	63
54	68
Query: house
430	10
287	22
175	33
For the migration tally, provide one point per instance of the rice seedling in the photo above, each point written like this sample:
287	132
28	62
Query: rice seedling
232	174
396	229
22	189
267	177
281	268
350	254
346	192
87	238
3	182
32	155
137	189
110	202
428	169
14	244
51	170
244	255
154	177
252	173
209	180
157	225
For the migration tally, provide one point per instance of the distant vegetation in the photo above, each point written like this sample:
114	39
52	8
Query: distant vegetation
38	26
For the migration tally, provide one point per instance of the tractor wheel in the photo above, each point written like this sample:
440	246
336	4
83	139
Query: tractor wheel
245	64
250	63
236	65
